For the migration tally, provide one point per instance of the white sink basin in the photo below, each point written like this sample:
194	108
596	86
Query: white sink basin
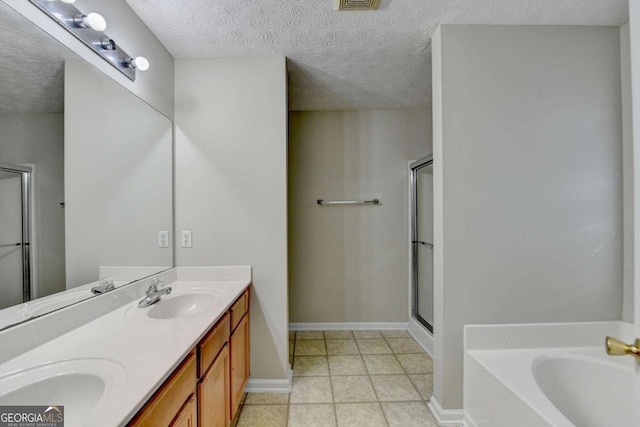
46	305
78	385
181	305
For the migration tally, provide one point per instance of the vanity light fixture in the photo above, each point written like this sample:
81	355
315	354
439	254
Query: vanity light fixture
94	21
88	28
139	62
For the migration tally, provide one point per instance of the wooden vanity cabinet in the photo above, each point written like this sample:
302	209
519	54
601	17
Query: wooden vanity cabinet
188	415
168	402
239	363
207	388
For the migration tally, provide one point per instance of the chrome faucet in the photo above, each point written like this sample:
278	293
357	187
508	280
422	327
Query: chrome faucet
104	285
154	293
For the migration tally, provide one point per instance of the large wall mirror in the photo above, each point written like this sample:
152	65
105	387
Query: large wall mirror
85	177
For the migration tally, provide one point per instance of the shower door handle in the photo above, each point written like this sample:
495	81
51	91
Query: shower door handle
10	245
423	243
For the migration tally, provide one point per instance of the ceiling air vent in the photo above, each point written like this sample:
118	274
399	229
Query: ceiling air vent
356	4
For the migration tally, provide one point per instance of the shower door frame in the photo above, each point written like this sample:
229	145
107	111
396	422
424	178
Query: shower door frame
25	180
413	177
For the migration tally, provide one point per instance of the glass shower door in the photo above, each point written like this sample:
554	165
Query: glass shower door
422	241
14	227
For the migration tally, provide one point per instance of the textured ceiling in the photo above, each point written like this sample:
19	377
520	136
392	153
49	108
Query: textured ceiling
348	60
31	66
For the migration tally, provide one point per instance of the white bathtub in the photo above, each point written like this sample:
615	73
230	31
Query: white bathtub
551	387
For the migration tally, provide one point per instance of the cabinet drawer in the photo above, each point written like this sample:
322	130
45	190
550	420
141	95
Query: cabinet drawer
238	309
167	402
211	345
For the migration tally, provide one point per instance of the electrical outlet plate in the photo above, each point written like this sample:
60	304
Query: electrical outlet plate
163	239
186	238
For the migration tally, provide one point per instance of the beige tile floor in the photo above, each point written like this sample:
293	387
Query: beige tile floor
349	379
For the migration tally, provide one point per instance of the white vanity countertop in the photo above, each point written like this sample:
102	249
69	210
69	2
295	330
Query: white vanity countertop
139	352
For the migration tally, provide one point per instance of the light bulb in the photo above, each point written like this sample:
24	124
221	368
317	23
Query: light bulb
92	20
95	21
141	63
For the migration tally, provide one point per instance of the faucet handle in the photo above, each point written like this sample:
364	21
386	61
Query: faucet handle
105	281
157	282
616	347
155	285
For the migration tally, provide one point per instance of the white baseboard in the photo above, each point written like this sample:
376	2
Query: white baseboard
468	422
270	386
445	417
422	335
348	326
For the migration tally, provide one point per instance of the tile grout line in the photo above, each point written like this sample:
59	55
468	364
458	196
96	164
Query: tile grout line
355	402
293	354
333	397
384	416
406	371
395	356
340	403
293	361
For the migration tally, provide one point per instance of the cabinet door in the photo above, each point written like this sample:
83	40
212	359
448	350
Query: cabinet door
239	363
187	415
213	392
164	406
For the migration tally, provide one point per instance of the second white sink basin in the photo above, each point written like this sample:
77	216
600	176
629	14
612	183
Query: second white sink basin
181	305
78	385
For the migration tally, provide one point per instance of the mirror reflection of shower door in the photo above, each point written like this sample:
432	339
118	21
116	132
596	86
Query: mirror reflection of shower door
422	241
15	266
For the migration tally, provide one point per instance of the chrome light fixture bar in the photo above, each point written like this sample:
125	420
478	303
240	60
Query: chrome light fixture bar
88	28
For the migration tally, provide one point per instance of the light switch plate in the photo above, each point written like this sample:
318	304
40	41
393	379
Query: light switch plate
186	238
163	239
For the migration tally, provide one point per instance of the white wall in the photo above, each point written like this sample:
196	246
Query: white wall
123	25
38	139
118	177
231	185
528	154
349	264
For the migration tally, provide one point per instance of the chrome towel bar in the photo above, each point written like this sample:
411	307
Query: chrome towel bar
348	202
